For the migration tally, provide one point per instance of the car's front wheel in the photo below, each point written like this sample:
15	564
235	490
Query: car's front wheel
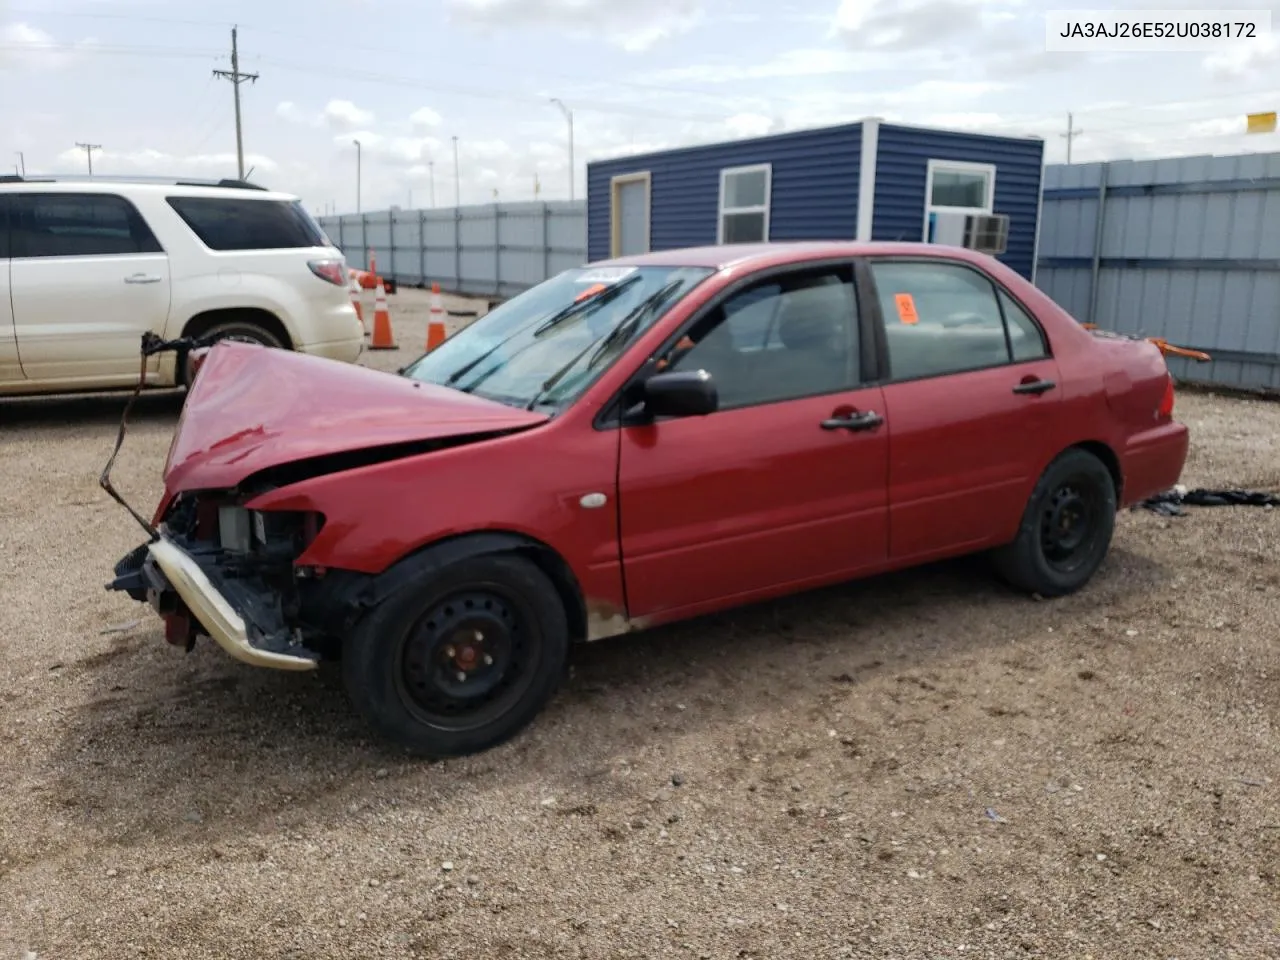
460	660
1066	528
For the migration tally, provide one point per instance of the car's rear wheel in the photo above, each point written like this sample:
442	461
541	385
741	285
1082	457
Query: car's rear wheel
241	330
460	660
1066	528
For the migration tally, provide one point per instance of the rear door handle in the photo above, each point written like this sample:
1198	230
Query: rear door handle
854	421
142	278
1035	386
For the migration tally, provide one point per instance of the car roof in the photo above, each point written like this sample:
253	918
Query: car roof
776	253
125	185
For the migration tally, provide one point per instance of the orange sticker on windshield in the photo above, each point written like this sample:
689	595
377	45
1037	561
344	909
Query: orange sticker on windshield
591	291
906	308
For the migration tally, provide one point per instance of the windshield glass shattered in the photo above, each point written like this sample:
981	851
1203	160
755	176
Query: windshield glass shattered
544	347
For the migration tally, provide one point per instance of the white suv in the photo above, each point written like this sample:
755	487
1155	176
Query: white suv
87	266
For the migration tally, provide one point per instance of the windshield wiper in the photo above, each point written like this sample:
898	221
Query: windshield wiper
623	331
599	300
605	296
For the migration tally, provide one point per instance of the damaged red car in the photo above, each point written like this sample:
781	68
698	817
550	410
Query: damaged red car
637	442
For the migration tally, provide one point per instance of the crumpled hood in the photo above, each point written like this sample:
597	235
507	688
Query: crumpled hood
255	407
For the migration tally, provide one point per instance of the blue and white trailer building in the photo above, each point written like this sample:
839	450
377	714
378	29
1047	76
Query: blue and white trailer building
869	180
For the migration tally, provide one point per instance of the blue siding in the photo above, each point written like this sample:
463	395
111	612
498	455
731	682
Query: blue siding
814	195
901	172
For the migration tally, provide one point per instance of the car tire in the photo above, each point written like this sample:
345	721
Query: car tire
1066	528
237	330
415	666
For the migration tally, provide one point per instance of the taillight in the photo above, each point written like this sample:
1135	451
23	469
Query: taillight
1165	410
332	270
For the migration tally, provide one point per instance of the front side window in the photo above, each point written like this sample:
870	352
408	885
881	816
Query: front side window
744	204
782	339
944	318
78	225
235	224
546	346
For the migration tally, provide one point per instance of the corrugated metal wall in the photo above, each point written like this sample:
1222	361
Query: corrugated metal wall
495	250
814	193
1187	249
902	163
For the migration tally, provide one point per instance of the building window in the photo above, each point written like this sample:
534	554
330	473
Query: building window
744	204
958	187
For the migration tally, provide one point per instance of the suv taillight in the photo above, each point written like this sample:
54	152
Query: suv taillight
332	270
1165	410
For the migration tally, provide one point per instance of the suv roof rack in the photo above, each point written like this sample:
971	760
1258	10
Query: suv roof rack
226	182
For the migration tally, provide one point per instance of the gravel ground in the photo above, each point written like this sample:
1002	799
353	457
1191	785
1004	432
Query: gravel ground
921	765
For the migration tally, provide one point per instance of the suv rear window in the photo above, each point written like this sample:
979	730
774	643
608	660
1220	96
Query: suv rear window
249	224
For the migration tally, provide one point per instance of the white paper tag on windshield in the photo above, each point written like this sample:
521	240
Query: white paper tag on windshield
604	274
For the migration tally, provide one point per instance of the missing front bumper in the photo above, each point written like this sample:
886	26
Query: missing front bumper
166	575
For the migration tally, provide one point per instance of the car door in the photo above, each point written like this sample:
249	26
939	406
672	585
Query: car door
784	486
88	279
10	367
972	393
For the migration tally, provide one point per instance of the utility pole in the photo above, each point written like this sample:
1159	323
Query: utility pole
237	78
22	161
88	149
1071	134
568	115
457	176
359	157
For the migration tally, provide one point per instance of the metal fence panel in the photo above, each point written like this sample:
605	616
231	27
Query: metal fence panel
493	250
1186	248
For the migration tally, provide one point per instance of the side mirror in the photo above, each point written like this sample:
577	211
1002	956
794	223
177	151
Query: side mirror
681	393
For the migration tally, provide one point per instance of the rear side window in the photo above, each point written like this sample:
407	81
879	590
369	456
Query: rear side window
4	227
77	225
230	224
945	318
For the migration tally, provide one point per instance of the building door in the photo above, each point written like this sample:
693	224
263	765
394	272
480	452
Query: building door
630	214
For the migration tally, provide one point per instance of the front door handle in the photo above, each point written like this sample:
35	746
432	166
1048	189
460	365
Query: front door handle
142	278
854	421
1035	386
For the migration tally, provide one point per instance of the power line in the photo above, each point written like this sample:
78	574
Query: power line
237	78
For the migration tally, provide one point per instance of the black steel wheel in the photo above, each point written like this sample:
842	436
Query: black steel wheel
461	660
1066	528
468	658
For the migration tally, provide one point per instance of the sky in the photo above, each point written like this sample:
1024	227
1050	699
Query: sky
135	77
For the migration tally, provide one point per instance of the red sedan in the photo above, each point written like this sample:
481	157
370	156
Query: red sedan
637	442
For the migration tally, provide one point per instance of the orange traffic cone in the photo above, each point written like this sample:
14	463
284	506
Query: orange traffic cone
383	338
435	323
354	289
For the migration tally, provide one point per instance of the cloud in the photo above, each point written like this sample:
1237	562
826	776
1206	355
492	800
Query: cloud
26	46
345	115
161	163
1240	61
633	26
424	118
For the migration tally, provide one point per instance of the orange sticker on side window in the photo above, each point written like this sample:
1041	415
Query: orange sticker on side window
906	308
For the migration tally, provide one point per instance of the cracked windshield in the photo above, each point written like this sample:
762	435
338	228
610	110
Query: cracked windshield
546	346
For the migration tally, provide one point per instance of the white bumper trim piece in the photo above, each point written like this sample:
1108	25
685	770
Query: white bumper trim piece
214	612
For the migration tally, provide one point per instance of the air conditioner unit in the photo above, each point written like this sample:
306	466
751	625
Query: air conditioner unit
984	232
